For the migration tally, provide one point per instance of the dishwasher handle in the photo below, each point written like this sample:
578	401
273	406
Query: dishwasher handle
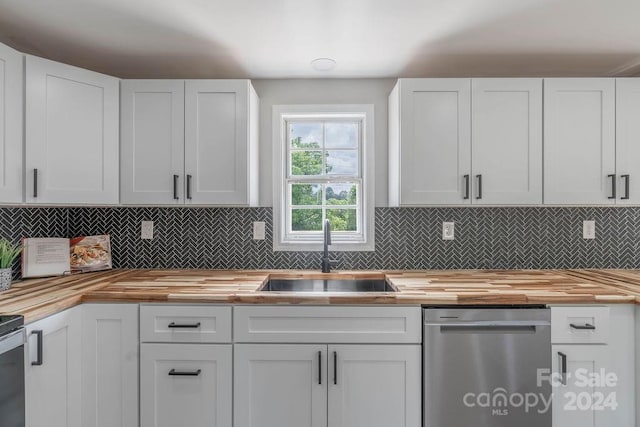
496	328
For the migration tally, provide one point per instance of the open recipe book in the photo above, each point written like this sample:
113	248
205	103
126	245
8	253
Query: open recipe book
57	256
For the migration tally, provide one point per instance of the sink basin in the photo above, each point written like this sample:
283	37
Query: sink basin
327	285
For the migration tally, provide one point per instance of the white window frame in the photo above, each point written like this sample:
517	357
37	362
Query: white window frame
283	241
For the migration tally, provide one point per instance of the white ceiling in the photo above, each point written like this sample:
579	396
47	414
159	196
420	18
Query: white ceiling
367	38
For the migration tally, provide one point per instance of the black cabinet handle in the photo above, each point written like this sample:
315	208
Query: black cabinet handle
35	183
585	327
479	178
189	187
320	367
626	187
175	187
184	325
613	185
335	367
175	373
39	358
466	187
563	367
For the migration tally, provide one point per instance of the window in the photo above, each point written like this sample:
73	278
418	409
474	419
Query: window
322	171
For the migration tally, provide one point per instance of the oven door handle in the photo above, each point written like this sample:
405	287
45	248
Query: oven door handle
12	340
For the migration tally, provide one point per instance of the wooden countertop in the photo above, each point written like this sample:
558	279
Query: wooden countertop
38	298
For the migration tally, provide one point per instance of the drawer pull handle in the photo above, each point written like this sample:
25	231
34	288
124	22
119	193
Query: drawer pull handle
585	327
563	368
175	373
184	325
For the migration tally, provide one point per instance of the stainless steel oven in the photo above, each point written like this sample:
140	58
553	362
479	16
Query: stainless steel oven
12	340
486	367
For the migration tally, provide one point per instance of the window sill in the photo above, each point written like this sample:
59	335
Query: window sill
318	247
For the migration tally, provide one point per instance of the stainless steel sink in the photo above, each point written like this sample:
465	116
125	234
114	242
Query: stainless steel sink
327	285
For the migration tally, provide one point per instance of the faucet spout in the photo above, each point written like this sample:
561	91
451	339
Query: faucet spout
326	263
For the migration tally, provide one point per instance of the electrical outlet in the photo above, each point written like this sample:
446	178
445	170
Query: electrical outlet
448	230
146	230
258	230
588	229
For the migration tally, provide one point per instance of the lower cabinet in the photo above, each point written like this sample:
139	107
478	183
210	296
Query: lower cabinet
310	385
53	371
186	385
109	365
593	366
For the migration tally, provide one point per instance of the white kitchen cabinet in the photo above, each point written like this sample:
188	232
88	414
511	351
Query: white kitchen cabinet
109	365
280	385
186	385
506	141
375	386
71	134
152	133
193	142
221	142
430	142
579	141
579	402
53	380
628	140
11	107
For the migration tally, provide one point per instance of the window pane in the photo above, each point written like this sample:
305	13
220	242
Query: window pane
306	194
341	135
342	219
306	135
306	163
342	194
306	219
342	162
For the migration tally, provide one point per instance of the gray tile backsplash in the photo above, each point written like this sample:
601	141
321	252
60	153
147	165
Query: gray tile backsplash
406	238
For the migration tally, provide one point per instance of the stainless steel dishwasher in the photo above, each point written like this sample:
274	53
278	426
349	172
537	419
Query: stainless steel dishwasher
487	367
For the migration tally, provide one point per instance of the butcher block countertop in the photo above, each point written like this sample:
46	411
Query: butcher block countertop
38	298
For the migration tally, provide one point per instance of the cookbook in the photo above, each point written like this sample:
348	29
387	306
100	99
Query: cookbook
43	257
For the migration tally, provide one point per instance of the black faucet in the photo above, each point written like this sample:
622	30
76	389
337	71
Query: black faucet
326	262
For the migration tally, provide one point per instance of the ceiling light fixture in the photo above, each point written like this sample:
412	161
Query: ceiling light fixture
323	64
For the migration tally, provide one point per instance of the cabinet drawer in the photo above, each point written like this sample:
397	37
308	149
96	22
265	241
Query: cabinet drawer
327	324
579	325
185	323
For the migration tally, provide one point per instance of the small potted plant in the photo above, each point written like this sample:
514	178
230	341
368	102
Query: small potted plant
8	254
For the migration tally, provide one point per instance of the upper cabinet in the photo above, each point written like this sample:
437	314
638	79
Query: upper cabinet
628	141
430	142
71	134
11	106
580	141
445	149
152	135
506	141
193	142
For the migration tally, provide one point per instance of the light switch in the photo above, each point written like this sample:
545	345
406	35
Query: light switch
146	230
588	229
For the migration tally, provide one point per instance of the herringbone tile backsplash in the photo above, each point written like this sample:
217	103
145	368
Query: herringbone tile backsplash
406	238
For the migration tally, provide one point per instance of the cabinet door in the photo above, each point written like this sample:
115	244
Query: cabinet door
507	141
110	365
152	161
628	140
579	141
218	142
185	385
375	385
280	385
574	401
435	144
11	104
71	134
53	388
